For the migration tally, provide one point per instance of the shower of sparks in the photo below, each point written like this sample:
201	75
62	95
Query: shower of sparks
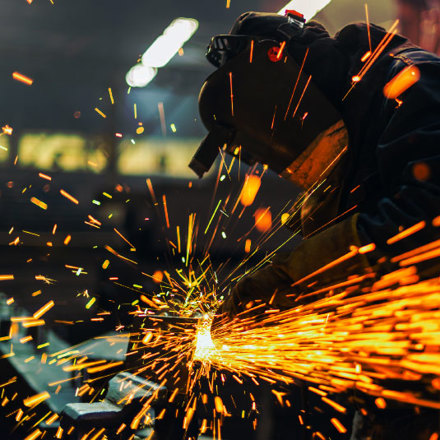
344	337
350	340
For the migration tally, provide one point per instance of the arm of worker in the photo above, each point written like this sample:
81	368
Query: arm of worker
408	157
327	256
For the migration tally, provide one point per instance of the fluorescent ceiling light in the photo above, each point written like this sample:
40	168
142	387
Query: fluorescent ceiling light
168	44
161	51
140	75
309	8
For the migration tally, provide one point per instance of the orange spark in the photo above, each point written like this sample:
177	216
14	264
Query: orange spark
39	203
338	425
334	405
111	95
401	82
45	176
280	50
123	238
52	419
7	130
35	434
39	313
22	78
250	189
232	93
366	56
147	338
247	245
367	19
33	323
380	403
407	232
6	277
263	219
26	339
104	367
68	196
150	188
164	200
158	276
100	112
367	248
36	399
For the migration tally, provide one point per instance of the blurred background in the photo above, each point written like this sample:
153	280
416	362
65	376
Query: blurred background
89	120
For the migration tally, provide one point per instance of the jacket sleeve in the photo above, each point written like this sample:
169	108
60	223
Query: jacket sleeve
408	160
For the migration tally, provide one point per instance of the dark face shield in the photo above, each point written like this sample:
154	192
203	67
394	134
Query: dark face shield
261	102
225	47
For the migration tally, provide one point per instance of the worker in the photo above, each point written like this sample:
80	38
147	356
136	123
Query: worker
354	120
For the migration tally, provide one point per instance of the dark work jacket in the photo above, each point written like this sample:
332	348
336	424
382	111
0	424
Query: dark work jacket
388	180
390	177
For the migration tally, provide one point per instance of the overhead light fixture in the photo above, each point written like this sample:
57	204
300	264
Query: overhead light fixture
168	44
161	51
140	75
309	8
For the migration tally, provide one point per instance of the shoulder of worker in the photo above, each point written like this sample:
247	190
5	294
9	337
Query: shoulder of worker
356	38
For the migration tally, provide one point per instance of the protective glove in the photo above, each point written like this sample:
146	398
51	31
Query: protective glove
325	258
268	285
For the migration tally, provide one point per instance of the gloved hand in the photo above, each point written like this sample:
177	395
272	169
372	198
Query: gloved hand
316	260
266	288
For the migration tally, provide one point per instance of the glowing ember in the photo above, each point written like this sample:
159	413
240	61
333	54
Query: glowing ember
22	78
401	82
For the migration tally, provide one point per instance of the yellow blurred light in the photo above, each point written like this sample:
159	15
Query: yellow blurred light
168	44
284	218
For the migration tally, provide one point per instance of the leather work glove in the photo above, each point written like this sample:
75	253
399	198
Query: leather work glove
268	285
321	260
266	288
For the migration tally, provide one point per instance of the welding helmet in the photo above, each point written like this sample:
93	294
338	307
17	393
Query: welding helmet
260	104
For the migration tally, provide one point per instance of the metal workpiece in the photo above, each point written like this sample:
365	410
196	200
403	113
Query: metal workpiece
125	397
